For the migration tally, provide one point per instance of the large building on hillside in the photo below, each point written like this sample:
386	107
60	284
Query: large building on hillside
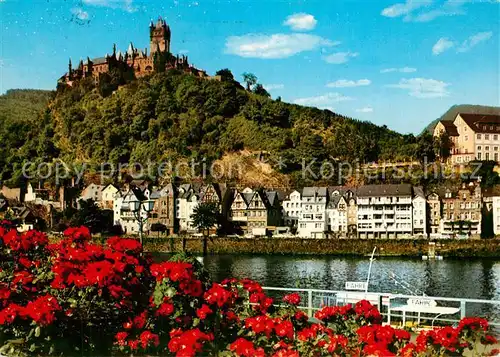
141	62
473	137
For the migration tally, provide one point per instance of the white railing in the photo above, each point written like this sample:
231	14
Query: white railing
453	309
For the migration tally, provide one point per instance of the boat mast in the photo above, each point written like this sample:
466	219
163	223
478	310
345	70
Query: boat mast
370	269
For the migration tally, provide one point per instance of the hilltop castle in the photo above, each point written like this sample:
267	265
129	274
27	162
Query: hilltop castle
139	61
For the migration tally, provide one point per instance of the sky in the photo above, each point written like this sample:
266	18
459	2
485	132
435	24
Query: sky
392	62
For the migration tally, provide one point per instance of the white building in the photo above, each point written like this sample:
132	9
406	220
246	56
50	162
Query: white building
384	211
419	212
125	206
30	195
92	192
336	212
187	200
108	196
496	215
292	208
312	219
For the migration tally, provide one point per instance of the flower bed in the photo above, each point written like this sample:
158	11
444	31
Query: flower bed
77	297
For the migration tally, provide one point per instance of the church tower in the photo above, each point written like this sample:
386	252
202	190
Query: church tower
159	36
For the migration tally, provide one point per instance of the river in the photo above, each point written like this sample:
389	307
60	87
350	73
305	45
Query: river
465	278
460	278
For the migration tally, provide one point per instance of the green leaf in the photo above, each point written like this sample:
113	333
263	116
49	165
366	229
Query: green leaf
196	322
37	331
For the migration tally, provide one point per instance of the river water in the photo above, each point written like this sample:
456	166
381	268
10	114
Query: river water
465	278
460	278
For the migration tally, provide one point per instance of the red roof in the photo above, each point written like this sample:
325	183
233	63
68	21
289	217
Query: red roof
449	127
482	123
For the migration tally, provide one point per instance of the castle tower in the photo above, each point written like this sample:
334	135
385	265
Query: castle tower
159	36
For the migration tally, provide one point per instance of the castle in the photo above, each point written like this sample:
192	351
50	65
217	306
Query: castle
139	61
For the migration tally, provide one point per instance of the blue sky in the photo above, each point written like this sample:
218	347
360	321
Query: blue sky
398	63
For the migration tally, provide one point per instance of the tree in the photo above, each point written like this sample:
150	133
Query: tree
425	148
158	227
443	146
90	216
225	74
205	216
250	79
260	90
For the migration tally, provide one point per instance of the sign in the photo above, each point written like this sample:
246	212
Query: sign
422	302
356	285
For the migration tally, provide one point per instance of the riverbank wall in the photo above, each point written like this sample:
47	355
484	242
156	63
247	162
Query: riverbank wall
487	248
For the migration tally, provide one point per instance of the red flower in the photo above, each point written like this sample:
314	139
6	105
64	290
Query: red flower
77	234
188	343
473	324
219	296
203	312
140	320
42	310
284	329
292	299
260	324
165	309
244	348
121	338
127	245
408	350
148	338
134	344
9	314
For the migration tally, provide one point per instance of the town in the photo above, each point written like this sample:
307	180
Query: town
365	211
369	211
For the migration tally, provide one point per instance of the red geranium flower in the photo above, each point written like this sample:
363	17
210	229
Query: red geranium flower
292	299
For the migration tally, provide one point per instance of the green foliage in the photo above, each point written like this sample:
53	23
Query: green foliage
205	216
178	117
250	79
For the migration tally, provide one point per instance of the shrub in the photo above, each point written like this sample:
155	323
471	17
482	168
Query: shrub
79	297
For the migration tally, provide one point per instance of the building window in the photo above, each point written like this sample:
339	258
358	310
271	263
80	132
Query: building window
496	156
479	136
487	148
479	148
486	137
466	138
495	137
479	156
487	156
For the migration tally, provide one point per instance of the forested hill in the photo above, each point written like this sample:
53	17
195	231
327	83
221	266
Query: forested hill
173	116
20	110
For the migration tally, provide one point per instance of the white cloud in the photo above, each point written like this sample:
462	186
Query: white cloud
324	101
301	22
475	40
423	87
275	45
404	9
340	57
121	4
80	14
442	45
448	8
345	83
400	70
365	110
273	86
